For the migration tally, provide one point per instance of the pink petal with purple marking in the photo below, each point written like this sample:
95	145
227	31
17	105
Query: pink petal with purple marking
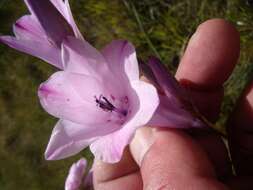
52	21
64	8
31	39
72	97
41	34
145	100
35	48
28	27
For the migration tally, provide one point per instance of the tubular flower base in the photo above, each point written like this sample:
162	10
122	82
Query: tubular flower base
175	109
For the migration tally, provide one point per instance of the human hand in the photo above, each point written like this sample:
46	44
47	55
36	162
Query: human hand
161	159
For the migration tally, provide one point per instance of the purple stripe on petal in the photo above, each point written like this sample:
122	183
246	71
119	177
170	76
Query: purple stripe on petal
166	81
28	27
17	24
39	49
64	8
51	20
44	91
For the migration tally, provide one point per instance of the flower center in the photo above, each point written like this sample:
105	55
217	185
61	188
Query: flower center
107	106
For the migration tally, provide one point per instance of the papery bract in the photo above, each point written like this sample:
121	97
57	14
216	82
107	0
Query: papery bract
77	179
41	33
98	98
175	109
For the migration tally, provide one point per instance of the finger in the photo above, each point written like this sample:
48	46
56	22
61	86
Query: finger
240	131
114	176
207	63
175	161
132	181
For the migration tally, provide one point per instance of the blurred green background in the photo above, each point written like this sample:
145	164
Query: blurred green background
155	27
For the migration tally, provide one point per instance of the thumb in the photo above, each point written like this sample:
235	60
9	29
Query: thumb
170	159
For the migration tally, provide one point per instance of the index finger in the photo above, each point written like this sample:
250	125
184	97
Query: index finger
208	61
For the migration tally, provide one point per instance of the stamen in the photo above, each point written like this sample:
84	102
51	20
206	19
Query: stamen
106	105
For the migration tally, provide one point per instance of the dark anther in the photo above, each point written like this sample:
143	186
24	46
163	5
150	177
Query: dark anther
104	104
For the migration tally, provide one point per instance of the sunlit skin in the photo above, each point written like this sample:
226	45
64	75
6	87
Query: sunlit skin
173	159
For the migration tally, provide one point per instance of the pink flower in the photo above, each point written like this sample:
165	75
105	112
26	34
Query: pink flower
98	98
175	109
41	33
76	178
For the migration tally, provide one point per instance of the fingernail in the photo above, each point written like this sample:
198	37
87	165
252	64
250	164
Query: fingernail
141	143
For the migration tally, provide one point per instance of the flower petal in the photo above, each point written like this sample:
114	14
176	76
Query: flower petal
76	174
49	54
53	22
31	39
80	57
172	115
175	109
64	8
72	97
166	81
66	140
110	148
69	138
28	27
122	61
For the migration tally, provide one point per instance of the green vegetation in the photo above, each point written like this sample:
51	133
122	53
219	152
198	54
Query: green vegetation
155	27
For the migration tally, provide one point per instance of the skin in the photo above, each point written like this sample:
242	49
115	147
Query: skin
168	159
